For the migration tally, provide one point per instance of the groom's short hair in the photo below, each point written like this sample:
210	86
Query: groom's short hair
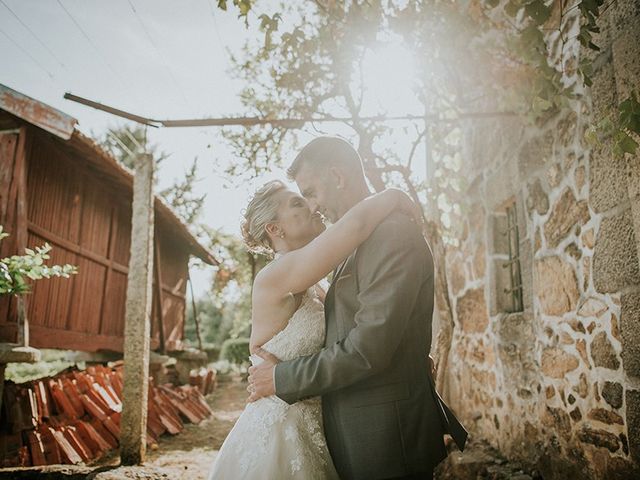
324	152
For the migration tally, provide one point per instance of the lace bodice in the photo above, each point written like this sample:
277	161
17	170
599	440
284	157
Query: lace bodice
303	335
273	439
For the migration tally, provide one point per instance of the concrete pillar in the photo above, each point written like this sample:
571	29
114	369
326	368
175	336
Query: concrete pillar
138	318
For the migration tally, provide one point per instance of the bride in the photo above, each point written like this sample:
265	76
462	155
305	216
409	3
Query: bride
272	439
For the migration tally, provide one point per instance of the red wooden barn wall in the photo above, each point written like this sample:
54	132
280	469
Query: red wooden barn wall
86	216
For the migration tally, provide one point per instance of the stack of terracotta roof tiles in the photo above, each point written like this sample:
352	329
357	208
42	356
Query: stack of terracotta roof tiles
204	379
74	417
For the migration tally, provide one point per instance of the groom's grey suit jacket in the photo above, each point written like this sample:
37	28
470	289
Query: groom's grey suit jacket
382	415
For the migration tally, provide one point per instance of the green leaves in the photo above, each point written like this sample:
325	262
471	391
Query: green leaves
589	9
14	269
244	6
537	11
629	111
629	124
269	25
619	128
513	7
625	144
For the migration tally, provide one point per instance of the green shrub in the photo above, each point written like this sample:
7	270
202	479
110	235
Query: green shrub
15	271
235	350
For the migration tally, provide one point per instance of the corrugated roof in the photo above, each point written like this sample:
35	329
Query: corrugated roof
62	126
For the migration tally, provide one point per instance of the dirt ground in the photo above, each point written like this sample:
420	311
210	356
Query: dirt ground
191	453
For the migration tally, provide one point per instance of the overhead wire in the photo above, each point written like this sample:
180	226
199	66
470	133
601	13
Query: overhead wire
212	9
33	59
92	43
159	54
44	45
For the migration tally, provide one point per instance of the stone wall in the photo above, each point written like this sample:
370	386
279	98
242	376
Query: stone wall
558	384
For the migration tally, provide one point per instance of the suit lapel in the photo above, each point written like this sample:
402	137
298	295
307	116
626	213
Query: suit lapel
336	274
330	297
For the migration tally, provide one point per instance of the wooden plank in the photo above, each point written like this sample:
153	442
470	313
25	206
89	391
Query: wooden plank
37	113
46	337
158	293
107	280
75	248
20	184
8	148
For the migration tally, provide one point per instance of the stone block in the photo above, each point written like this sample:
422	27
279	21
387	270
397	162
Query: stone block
615	259
516	347
632	400
556	286
592	307
602	352
556	363
566	214
630	327
599	438
581	346
535	154
603	415
557	419
10	353
566	129
588	238
612	394
472	312
537	198
607	179
554	174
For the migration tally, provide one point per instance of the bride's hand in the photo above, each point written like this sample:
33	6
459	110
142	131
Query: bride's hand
406	205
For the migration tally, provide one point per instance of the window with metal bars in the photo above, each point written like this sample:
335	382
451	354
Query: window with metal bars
514	290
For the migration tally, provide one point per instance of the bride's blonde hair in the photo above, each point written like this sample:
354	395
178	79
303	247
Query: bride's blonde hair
262	209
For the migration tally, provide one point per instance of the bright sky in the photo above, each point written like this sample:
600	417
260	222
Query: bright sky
156	58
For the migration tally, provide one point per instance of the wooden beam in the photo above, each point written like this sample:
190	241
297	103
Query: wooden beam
20	184
159	296
77	249
107	277
47	337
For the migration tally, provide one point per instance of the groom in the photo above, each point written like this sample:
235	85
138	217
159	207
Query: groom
382	416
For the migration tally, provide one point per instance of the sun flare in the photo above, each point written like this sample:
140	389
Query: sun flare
389	76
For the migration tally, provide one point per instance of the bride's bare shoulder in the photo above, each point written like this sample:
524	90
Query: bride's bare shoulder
267	279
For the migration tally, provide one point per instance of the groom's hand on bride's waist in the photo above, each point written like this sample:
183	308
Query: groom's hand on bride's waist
261	377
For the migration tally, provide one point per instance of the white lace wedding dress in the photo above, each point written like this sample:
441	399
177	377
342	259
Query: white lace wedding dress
275	440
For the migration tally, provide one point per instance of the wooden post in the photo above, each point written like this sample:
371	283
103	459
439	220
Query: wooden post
18	221
195	312
133	433
159	296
